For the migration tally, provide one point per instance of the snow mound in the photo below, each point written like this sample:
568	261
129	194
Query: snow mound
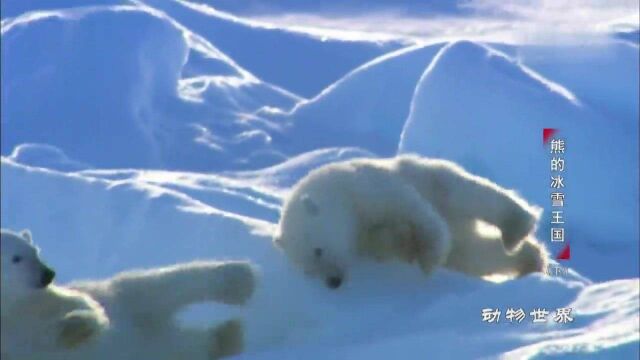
280	178
159	96
342	115
611	90
297	62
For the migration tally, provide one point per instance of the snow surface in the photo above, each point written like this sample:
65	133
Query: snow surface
139	134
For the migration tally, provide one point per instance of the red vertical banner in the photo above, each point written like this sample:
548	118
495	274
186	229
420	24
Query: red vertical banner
565	253
547	133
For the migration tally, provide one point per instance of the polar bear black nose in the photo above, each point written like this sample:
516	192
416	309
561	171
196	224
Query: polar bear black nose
47	277
334	282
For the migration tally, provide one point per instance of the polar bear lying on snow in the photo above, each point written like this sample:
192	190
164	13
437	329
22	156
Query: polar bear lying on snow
409	208
126	317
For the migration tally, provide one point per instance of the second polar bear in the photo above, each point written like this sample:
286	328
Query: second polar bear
129	316
410	208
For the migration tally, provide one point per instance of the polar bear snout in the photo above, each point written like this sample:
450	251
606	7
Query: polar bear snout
334	282
46	276
332	274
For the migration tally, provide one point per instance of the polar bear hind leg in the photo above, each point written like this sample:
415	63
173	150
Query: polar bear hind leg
227	339
473	197
481	254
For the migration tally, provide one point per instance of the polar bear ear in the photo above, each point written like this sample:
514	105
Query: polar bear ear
26	234
310	205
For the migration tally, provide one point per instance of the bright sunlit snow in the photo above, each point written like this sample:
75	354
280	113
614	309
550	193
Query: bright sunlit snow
144	133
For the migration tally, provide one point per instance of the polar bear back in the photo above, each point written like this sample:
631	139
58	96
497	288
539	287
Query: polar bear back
366	183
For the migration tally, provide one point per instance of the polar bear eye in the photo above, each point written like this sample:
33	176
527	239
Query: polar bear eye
16	259
317	252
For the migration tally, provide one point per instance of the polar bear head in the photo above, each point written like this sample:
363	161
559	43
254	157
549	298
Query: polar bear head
22	270
316	233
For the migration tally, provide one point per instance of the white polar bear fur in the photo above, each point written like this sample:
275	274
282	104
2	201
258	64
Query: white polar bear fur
411	208
129	316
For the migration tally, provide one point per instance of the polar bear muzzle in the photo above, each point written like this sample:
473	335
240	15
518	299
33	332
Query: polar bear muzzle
46	277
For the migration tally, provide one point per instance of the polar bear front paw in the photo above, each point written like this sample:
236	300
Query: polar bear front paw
239	282
431	257
533	257
78	327
433	248
516	227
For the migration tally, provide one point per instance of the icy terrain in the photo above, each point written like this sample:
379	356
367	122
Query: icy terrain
137	134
